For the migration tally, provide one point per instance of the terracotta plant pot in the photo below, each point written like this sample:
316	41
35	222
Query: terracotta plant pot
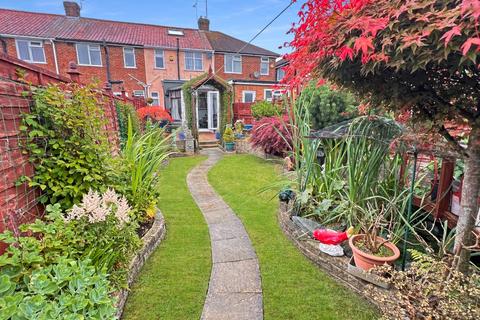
367	261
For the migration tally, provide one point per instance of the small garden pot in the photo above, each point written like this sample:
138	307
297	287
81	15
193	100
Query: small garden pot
229	146
367	261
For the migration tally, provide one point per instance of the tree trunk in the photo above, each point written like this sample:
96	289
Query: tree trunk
470	192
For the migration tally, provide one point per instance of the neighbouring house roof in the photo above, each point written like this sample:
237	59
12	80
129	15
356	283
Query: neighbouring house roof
222	42
54	26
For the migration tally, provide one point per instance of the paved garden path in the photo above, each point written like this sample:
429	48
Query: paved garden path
235	290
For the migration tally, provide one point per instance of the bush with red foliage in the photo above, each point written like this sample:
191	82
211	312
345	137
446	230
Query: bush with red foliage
273	135
154	113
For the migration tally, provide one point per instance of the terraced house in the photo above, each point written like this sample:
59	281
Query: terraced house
144	60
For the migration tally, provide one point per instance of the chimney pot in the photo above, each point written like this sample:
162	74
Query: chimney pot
203	24
72	9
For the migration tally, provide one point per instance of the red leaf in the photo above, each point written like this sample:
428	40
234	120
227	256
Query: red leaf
455	31
466	46
363	44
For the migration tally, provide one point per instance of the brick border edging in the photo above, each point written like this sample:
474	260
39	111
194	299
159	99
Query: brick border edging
336	267
151	240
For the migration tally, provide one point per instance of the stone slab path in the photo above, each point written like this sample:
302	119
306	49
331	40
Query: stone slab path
235	289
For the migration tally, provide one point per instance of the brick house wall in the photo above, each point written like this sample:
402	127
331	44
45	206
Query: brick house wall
258	89
66	52
18	204
250	64
155	76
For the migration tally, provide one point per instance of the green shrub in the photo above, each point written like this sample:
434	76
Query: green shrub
67	143
262	109
67	289
327	106
228	135
124	112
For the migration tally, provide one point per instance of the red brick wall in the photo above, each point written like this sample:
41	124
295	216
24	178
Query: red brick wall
18	204
66	52
259	91
250	64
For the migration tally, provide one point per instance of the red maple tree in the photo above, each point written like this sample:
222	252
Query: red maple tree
415	56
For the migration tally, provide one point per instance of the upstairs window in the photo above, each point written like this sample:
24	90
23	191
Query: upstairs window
280	74
264	66
155	98
89	54
193	61
233	63
31	51
129	58
159	59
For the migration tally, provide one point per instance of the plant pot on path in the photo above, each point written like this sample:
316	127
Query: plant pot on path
366	261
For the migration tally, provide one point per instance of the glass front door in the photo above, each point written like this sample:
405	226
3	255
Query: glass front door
208	110
213	110
203	112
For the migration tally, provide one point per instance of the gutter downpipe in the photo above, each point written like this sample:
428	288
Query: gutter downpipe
178	58
54	48
4	45
107	60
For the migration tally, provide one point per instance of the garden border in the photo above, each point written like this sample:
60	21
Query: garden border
336	267
151	240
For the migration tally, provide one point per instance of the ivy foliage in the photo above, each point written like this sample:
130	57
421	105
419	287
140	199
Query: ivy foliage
327	106
67	143
124	112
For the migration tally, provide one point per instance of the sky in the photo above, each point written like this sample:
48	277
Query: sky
239	18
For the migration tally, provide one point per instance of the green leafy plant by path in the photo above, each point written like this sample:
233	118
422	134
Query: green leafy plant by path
293	288
174	281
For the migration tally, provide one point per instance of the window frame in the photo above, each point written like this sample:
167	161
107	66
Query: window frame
134	58
89	45
277	75
233	63
157	98
155	54
254	95
29	46
265	95
139	96
194	58
262	61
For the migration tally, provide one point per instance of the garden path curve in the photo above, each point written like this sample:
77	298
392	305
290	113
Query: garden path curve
235	290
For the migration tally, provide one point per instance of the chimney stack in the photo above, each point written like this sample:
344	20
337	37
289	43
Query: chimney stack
72	9
203	24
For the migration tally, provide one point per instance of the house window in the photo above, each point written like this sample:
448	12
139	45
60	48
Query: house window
129	57
159	59
268	94
139	93
280	74
193	61
277	94
248	96
89	54
156	98
233	63
31	51
264	66
117	94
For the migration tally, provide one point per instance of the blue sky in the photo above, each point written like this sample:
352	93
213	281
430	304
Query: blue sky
239	18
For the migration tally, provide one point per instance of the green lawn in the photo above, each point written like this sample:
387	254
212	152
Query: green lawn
293	288
174	281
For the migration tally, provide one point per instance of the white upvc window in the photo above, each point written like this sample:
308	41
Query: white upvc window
277	94
193	61
129	57
159	59
248	96
89	54
280	74
264	66
155	98
268	94
139	93
233	63
31	51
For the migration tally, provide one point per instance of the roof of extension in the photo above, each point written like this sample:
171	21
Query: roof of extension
222	42
55	26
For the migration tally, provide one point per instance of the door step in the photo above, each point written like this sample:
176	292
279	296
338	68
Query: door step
208	144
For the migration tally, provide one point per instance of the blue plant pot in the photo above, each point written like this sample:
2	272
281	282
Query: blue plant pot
217	135
239	135
229	146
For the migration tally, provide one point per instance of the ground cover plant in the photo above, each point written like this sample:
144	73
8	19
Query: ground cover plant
417	59
293	288
174	281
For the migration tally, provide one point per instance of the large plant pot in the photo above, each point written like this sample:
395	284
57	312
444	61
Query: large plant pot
367	261
229	146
